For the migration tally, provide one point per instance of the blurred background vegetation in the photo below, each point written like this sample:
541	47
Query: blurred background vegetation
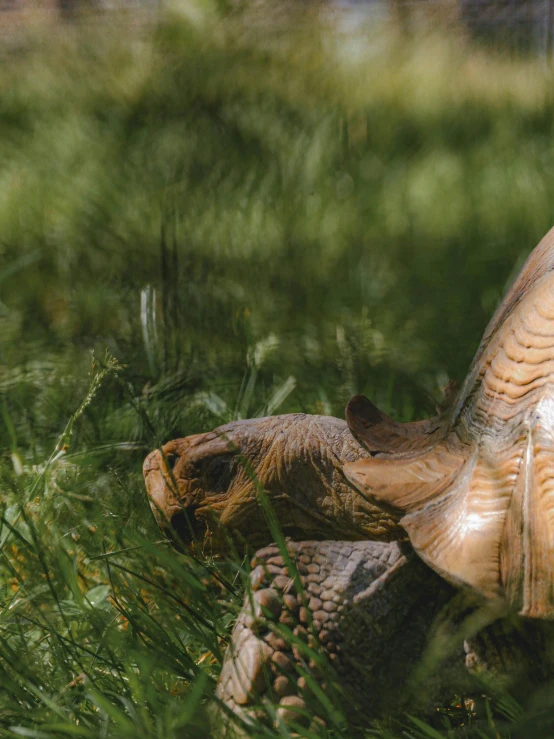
216	213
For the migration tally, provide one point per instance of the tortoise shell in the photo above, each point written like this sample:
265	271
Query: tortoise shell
475	485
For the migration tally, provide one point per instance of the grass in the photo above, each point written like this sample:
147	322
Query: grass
234	214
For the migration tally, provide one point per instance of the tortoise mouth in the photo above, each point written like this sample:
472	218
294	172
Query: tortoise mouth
185	529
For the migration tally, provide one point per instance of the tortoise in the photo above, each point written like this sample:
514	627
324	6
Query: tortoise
439	527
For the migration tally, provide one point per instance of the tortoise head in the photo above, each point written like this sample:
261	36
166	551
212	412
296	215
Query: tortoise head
476	496
190	481
226	486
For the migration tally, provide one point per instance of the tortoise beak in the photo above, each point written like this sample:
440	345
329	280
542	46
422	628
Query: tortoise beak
160	485
174	514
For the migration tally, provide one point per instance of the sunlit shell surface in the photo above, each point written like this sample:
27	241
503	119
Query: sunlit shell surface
476	484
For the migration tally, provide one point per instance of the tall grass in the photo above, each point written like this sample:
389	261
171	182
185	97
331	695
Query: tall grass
252	213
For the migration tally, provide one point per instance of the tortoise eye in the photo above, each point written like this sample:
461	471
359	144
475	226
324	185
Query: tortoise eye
218	474
170	458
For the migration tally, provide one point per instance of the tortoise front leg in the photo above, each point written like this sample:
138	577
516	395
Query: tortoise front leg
340	640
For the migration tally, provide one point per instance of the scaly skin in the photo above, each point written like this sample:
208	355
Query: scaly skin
213	490
375	630
355	601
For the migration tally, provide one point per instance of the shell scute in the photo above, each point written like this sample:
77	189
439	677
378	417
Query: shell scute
477	497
